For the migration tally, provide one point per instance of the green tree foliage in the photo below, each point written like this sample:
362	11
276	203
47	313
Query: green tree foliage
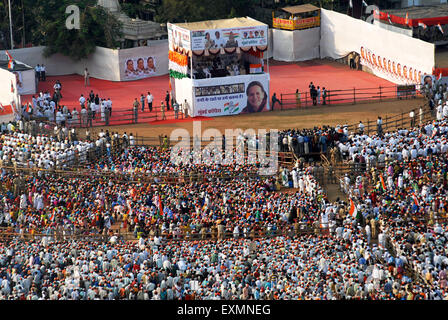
97	28
45	24
199	10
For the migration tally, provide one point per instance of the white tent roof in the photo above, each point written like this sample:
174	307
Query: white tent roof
220	24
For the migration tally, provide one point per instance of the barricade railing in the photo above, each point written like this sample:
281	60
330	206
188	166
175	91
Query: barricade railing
344	96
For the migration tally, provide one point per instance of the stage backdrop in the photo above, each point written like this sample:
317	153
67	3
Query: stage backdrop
297	45
380	49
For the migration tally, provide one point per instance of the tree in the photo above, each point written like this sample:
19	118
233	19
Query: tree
97	28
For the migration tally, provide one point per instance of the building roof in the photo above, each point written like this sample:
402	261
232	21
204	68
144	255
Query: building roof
416	12
220	24
300	8
18	66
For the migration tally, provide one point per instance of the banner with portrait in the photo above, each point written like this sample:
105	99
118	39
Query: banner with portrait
410	56
138	68
178	37
143	62
231	95
229	38
389	68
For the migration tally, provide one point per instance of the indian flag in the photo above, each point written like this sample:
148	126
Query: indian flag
407	18
415	198
382	183
353	211
440	28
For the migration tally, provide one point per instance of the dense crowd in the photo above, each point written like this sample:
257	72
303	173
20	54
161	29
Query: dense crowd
271	237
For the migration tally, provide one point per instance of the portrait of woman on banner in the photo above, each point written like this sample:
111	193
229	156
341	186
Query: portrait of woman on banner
257	98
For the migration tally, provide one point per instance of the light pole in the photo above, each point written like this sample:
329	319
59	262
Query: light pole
10	24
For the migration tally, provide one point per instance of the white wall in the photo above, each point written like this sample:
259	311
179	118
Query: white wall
341	34
103	64
297	45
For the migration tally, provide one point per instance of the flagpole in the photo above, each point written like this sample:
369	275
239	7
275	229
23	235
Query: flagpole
10	24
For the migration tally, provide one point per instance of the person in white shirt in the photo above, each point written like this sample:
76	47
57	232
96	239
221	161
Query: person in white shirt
43	73
149	99
82	101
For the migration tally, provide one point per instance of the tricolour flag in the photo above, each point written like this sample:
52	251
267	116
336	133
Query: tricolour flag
407	19
382	183
415	198
353	211
10	60
440	28
440	76
388	18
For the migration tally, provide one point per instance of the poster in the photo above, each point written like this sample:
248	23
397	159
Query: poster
229	38
178	37
138	68
230	96
19	82
390	69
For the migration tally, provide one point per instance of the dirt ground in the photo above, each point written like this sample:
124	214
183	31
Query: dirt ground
304	118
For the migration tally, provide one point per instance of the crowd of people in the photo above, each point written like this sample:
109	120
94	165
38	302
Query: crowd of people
228	234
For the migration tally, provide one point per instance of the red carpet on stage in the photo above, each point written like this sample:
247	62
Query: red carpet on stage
285	78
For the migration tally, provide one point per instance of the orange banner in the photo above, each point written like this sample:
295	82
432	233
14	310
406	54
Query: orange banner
296	24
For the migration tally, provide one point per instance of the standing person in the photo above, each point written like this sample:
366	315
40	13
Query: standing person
297	98
43	73
167	100
149	99
274	100
324	96
142	102
379	126
82	101
136	105
37	72
86	77
361	128
421	115
313	94
318	94
186	108
83	116
162	109
412	116
176	109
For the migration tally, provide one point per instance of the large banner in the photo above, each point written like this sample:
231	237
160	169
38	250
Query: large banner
296	24
178	37
341	35
229	38
143	62
232	95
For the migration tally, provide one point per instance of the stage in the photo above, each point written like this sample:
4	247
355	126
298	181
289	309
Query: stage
285	77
